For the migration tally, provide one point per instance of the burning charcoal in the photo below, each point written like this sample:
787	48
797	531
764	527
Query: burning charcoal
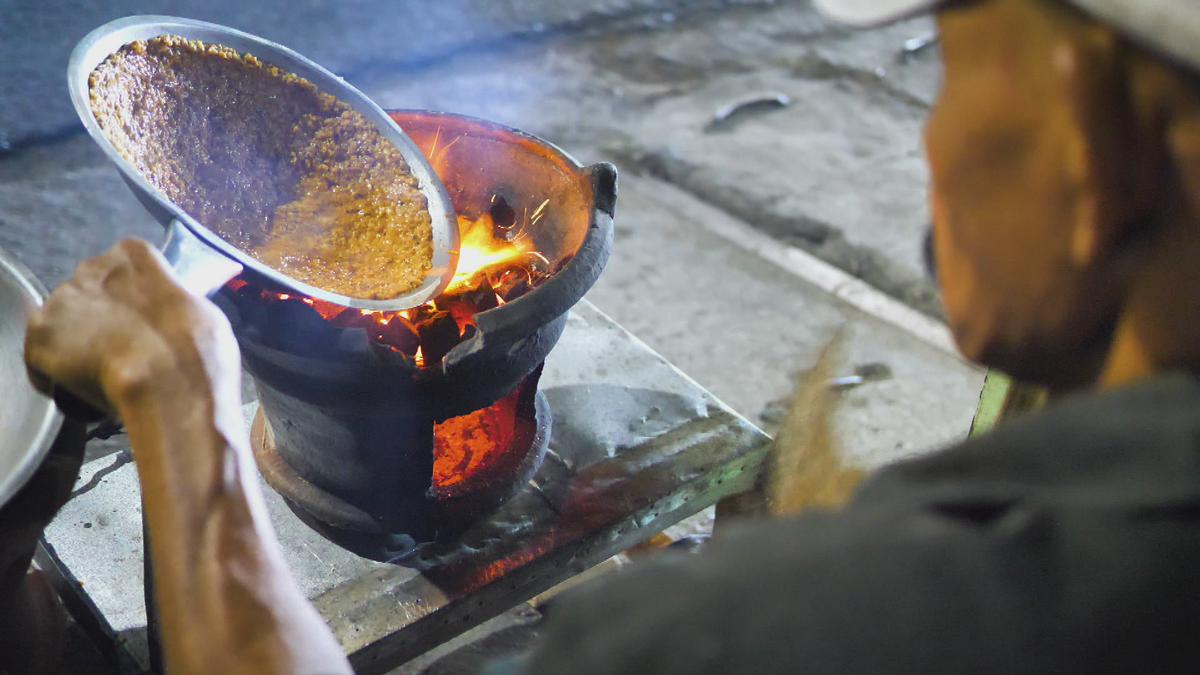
353	318
390	359
462	311
503	219
325	309
513	285
438	336
400	334
422	314
482	297
243	297
246	301
463	289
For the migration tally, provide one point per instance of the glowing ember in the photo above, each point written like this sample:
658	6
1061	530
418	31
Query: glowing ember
468	448
480	250
496	265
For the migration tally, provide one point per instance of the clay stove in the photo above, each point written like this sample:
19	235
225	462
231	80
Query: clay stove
389	432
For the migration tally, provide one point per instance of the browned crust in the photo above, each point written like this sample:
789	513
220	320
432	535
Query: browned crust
276	167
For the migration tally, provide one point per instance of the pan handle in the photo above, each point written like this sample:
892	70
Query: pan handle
200	268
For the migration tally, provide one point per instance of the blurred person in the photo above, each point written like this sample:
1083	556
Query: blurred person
1065	155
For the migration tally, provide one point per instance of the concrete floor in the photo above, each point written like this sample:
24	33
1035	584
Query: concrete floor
838	172
743	329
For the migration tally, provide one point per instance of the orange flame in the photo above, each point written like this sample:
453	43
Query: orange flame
486	253
480	250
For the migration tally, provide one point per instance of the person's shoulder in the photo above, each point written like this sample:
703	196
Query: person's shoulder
972	554
1130	444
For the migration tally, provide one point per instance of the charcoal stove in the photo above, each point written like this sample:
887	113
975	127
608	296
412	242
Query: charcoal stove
386	433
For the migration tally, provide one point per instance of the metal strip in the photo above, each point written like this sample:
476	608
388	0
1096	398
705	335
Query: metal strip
429	609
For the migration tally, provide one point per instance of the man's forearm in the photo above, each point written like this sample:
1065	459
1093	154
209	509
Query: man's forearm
227	601
122	333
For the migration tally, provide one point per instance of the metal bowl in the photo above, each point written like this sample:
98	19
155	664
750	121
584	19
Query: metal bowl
102	42
29	420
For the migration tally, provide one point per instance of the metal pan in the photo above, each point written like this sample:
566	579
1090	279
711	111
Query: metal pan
29	421
203	260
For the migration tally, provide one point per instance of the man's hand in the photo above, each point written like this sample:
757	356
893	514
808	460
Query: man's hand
123	335
122	322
